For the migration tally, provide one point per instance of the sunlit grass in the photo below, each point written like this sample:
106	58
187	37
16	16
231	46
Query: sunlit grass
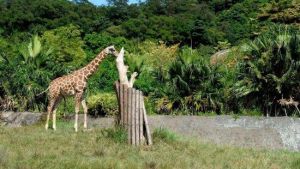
33	147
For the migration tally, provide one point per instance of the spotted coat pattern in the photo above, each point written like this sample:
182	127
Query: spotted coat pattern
74	84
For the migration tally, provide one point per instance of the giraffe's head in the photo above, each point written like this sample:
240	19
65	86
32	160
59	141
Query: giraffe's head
111	50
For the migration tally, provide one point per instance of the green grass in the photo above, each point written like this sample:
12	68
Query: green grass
33	147
164	135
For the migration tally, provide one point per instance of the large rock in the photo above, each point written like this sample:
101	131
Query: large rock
18	119
219	57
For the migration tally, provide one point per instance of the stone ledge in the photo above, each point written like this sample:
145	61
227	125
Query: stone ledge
19	119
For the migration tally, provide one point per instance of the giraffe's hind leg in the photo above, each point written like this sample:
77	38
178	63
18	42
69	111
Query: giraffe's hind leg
54	113
49	110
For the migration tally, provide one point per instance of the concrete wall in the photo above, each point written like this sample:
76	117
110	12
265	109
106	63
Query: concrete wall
258	132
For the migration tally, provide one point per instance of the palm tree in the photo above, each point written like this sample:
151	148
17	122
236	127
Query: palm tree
27	75
271	68
192	85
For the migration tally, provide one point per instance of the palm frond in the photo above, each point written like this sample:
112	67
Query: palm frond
34	46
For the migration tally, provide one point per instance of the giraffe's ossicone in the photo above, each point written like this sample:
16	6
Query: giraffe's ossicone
74	84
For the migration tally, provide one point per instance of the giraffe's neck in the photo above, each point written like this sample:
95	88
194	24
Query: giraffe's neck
91	68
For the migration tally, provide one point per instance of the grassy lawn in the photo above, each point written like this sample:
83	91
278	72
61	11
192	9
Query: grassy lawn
33	147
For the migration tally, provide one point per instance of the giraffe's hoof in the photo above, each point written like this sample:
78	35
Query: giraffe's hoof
54	128
46	127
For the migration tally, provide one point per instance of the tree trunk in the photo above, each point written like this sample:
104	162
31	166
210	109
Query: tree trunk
123	69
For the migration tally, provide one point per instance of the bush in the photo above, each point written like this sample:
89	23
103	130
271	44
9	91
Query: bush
103	104
270	70
99	104
66	45
191	85
36	62
147	61
27	75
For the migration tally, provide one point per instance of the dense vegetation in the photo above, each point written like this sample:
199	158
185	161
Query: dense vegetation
32	148
169	43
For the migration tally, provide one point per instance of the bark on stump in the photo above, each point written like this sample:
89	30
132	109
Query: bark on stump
132	113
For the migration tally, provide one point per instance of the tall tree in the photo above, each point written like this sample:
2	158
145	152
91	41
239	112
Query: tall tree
118	3
118	10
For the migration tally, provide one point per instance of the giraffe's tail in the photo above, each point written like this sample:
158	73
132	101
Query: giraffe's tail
43	91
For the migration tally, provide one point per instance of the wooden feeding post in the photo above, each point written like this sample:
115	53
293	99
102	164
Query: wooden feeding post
132	113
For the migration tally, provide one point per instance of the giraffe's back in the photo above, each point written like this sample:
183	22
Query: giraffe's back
68	85
62	86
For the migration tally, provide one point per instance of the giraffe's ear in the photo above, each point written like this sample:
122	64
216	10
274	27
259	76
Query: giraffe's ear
111	46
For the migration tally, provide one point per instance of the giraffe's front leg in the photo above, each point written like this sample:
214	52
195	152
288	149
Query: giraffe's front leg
85	110
77	107
76	117
54	113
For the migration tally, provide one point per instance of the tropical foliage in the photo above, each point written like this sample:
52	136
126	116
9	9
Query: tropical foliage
191	84
270	70
169	44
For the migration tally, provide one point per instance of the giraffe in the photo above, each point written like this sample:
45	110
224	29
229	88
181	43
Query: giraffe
74	84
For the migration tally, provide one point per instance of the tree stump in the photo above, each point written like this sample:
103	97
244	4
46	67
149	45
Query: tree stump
132	114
